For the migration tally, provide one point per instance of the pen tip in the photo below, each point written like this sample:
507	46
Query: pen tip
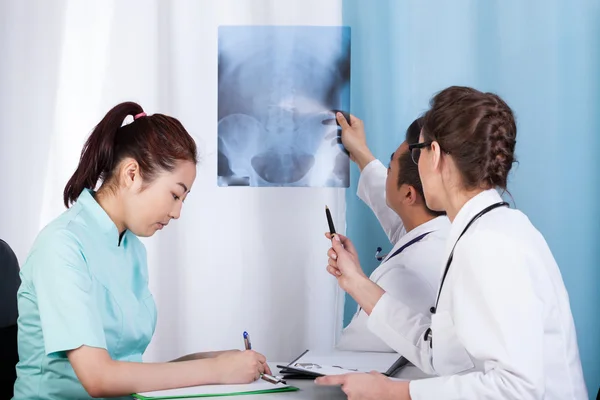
327	208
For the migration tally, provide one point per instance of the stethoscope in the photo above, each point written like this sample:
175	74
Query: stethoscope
428	333
380	257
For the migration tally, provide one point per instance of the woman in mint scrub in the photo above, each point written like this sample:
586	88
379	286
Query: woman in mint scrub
86	315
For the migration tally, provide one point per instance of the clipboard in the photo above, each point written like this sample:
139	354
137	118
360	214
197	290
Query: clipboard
309	370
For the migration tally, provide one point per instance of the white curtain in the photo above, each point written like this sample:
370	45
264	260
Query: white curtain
239	258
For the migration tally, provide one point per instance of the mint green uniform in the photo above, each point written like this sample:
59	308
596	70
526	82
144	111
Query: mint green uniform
81	286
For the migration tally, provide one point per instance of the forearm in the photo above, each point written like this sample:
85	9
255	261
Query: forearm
403	329
364	291
120	378
200	356
372	191
363	157
127	377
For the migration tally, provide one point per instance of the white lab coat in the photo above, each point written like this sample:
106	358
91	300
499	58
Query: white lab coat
412	276
503	328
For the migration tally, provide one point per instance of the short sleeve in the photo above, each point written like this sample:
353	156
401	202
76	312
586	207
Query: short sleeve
69	313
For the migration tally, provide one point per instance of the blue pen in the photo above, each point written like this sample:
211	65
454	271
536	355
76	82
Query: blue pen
266	377
247	341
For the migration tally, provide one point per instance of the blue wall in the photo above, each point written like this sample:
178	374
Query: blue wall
543	58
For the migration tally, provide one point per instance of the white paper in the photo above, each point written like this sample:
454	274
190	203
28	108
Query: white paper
324	369
343	362
258	385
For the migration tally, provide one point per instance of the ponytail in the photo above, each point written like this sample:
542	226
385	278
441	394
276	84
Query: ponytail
97	157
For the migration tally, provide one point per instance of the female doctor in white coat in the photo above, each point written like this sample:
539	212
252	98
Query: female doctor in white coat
501	327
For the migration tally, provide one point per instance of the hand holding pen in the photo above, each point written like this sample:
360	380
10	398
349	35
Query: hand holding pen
237	367
343	261
266	375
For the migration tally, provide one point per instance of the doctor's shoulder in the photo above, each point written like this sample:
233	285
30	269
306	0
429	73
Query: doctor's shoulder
441	231
510	225
505	237
432	247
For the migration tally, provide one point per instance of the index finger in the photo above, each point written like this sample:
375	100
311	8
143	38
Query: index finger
261	358
329	236
342	120
331	380
346	242
336	244
268	369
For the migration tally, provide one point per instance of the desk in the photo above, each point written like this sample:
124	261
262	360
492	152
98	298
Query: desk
310	391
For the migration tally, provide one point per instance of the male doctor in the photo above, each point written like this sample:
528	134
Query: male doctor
411	272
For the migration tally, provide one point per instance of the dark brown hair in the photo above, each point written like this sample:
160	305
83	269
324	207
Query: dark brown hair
409	171
156	142
478	130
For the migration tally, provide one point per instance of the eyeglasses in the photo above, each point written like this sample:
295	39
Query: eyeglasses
415	150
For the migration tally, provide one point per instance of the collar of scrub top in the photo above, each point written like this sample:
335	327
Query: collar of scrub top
100	217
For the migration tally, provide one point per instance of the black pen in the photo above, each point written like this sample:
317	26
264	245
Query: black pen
266	377
330	221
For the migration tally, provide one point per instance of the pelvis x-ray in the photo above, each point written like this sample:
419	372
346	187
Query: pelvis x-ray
278	89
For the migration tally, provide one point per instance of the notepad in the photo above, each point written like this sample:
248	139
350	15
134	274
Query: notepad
257	387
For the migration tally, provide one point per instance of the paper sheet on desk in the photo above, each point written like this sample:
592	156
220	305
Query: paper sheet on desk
322	369
257	387
343	362
351	360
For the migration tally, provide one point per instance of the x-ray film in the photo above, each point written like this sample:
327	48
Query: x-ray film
279	88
